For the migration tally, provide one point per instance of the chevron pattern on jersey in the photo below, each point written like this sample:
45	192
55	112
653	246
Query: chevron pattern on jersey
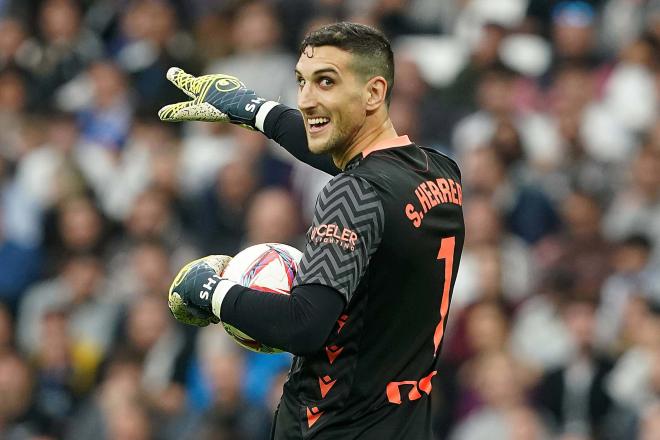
349	203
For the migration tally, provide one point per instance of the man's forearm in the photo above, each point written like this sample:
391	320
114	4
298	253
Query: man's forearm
224	98
286	126
299	323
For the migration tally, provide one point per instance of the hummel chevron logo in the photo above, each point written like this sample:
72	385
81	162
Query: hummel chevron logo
333	351
325	383
341	322
313	415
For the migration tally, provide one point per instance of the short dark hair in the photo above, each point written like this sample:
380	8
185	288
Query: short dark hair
373	49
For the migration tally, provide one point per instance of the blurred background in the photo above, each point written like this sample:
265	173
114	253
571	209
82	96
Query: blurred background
550	107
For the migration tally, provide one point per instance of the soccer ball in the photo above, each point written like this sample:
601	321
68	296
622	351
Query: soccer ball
269	267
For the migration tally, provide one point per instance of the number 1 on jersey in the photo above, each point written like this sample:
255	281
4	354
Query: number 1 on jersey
446	253
393	392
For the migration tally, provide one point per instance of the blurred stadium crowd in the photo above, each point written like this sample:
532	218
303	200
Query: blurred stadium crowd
550	107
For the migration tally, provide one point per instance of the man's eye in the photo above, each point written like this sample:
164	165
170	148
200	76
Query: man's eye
301	83
326	82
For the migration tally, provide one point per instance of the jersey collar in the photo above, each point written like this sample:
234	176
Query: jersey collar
399	141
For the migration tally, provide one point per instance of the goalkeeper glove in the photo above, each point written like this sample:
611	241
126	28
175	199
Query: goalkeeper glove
215	98
191	295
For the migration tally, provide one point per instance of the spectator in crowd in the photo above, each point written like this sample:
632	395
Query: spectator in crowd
258	57
635	380
575	393
49	173
488	232
266	162
636	205
574	32
105	119
64	46
496	98
228	414
75	225
539	337
568	99
417	109
18	419
579	247
541	14
143	271
634	383
160	346
63	371
99	201
272	218
105	413
149	41
633	275
528	212
152	216
12	42
79	289
503	412
480	328
21	266
13	98
219	212
461	95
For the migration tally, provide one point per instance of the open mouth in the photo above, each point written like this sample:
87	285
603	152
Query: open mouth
317	124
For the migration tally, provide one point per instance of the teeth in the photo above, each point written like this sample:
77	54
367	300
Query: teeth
315	121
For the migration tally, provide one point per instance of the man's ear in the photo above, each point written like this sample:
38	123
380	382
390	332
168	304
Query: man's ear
376	90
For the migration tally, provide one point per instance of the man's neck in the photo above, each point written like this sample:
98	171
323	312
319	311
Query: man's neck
365	139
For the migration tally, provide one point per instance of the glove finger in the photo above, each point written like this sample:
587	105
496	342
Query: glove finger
189	314
196	87
186	82
248	127
170	112
218	262
202	315
186	317
192	111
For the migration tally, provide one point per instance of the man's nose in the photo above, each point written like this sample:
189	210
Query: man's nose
306	98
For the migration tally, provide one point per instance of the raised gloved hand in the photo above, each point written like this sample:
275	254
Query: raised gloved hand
215	98
191	293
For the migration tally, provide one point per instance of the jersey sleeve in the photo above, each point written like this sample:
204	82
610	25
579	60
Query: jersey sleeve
286	126
348	226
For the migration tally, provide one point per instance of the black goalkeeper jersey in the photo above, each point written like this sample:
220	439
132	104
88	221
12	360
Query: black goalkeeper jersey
387	234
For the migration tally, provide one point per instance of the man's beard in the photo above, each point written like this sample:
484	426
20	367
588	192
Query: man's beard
338	142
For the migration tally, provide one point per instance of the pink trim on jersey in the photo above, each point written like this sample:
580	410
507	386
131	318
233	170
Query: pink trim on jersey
399	141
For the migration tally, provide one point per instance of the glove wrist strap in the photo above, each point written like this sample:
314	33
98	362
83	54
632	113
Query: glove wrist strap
219	295
260	118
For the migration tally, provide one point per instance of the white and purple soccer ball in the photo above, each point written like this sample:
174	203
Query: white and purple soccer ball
268	267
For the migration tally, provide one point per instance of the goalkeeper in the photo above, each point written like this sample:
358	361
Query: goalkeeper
370	300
